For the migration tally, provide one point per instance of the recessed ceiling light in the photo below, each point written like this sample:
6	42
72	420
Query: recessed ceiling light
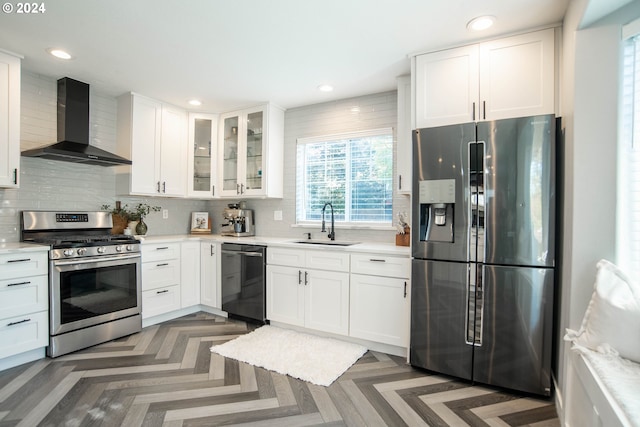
195	102
481	23
325	88
59	53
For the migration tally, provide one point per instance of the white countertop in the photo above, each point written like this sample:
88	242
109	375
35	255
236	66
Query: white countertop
7	248
377	247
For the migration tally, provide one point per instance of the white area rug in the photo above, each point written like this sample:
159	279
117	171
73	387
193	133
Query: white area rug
307	357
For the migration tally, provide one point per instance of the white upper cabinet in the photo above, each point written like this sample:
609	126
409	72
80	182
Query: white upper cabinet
403	136
202	155
505	78
9	119
250	153
154	136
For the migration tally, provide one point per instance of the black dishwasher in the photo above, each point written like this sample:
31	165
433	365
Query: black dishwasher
243	281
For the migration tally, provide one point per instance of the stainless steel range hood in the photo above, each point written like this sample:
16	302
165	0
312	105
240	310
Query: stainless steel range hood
73	130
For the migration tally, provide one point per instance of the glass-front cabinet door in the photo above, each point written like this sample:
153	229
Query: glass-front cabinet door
254	166
251	152
203	132
230	153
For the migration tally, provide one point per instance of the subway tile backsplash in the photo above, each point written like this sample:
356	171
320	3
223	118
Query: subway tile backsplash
54	185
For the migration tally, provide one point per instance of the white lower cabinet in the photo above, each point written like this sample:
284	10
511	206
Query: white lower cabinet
189	273
315	298
160	278
160	301
24	315
209	271
379	302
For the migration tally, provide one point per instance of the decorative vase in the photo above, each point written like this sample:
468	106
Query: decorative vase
141	228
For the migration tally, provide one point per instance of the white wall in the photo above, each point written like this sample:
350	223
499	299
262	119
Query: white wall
591	58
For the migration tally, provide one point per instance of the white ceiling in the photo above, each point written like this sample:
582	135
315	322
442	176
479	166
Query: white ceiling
236	53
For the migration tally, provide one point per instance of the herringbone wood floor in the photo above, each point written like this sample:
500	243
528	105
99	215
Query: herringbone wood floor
166	376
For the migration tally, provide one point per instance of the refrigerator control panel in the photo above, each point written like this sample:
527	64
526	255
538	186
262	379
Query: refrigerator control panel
437	191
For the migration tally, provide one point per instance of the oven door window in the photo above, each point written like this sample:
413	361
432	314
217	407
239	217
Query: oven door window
91	292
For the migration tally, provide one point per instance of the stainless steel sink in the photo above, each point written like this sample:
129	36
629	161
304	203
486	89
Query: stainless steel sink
325	242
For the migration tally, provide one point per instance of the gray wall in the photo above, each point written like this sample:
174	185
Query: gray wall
52	185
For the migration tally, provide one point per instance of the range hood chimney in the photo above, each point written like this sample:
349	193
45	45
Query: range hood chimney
73	130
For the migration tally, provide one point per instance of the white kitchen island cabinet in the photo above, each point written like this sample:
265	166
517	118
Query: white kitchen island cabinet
9	119
309	288
498	79
154	136
250	153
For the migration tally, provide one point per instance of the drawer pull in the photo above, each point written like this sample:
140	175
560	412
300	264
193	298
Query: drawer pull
18	284
377	260
18	322
164	264
19	260
162	292
162	247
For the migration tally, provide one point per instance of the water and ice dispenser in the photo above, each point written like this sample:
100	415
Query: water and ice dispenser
437	203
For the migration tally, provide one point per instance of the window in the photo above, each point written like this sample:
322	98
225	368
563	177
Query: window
352	171
628	222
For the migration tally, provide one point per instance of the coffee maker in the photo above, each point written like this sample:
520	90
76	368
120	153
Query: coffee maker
239	221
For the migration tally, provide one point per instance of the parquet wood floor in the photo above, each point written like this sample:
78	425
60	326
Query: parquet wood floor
166	376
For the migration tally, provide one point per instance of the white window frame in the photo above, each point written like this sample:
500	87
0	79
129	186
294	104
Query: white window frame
301	181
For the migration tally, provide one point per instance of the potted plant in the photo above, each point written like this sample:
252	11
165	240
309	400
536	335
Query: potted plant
120	216
138	213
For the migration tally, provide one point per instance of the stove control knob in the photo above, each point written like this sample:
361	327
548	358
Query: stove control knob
102	250
118	248
82	251
129	248
67	252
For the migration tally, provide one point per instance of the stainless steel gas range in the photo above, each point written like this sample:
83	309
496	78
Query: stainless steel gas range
94	278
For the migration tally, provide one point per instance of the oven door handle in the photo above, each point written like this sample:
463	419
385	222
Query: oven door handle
258	254
96	259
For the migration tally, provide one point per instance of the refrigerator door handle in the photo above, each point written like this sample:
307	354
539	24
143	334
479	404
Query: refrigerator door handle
475	306
479	306
470	311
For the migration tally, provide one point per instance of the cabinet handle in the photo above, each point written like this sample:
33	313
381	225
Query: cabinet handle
213	190
162	292
18	284
237	188
484	110
299	277
212	252
158	186
162	247
405	289
241	188
377	260
15	176
19	260
18	322
306	278
473	114
164	264
399	182
164	186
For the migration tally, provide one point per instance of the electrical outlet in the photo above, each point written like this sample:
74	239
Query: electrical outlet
277	215
165	213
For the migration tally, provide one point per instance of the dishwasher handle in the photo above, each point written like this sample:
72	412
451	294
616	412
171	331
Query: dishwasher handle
258	254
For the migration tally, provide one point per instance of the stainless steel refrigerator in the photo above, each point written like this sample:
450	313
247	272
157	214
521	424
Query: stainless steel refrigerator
483	251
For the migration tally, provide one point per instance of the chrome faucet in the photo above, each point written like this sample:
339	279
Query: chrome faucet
332	230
